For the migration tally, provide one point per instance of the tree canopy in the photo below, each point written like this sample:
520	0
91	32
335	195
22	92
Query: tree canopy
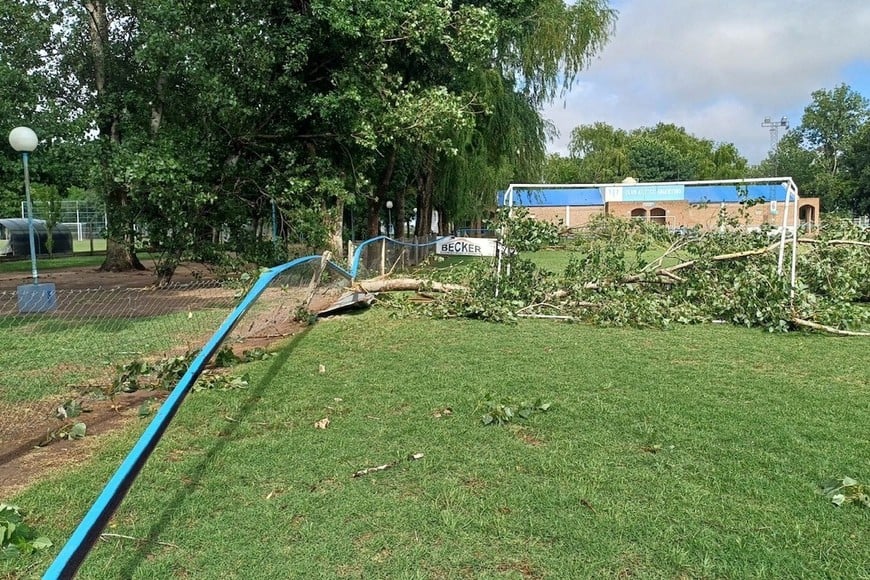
826	153
665	152
199	122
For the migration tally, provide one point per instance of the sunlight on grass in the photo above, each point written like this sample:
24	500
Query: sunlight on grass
693	452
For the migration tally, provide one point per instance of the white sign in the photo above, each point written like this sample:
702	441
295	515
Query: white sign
454	246
641	193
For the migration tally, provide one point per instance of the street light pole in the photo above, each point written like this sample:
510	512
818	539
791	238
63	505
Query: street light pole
389	217
33	297
24	140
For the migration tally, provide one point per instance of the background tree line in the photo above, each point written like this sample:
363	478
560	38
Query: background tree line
828	154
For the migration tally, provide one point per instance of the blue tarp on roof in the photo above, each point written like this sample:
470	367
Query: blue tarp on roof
591	196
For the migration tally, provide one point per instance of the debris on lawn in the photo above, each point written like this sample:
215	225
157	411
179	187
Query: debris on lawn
322	424
385	466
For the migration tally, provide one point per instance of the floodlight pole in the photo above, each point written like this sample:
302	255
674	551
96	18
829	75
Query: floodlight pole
774	137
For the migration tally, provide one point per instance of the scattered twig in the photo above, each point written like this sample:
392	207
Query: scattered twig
368	470
385	466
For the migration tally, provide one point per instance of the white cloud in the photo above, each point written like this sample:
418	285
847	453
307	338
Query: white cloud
717	68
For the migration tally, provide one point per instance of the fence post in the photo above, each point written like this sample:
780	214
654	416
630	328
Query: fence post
349	254
383	256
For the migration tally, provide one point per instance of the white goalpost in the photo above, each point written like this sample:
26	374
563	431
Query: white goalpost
672	191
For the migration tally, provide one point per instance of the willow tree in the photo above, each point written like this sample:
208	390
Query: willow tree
540	49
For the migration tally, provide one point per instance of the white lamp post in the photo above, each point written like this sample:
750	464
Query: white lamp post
38	297
389	217
24	140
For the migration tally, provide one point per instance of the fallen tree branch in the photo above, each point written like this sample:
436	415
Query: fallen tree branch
550	317
720	258
834	242
407	284
825	328
392	269
315	279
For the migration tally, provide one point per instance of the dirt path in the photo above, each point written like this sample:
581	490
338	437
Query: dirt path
86	277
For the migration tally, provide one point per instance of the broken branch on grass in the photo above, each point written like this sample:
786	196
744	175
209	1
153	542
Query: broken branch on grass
829	329
407	284
834	242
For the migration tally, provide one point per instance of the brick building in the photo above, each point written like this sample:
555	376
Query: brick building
673	205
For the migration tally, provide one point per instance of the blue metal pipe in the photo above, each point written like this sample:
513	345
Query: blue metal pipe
86	534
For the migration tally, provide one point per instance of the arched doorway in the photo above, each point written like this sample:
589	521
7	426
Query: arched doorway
657	215
638	214
807	216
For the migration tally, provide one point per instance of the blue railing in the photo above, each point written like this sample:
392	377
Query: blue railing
88	531
357	254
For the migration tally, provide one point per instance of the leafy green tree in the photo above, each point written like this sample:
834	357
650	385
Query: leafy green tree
831	121
212	119
856	161
664	152
823	154
558	169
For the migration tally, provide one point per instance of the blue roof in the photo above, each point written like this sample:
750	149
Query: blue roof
591	196
555	197
734	193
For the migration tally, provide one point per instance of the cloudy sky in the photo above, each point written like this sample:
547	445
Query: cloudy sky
718	68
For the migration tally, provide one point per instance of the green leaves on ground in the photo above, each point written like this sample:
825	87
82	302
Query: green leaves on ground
509	410
630	273
16	537
846	491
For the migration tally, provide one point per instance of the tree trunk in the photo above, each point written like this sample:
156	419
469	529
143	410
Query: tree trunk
335	222
425	188
119	245
374	205
400	216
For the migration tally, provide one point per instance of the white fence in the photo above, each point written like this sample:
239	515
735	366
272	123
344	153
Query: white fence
87	220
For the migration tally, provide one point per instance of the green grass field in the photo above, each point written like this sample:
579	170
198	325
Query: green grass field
695	452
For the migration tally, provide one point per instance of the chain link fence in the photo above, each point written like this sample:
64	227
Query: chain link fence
382	256
74	352
97	352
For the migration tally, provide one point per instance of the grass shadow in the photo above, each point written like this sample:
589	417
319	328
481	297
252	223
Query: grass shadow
151	539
